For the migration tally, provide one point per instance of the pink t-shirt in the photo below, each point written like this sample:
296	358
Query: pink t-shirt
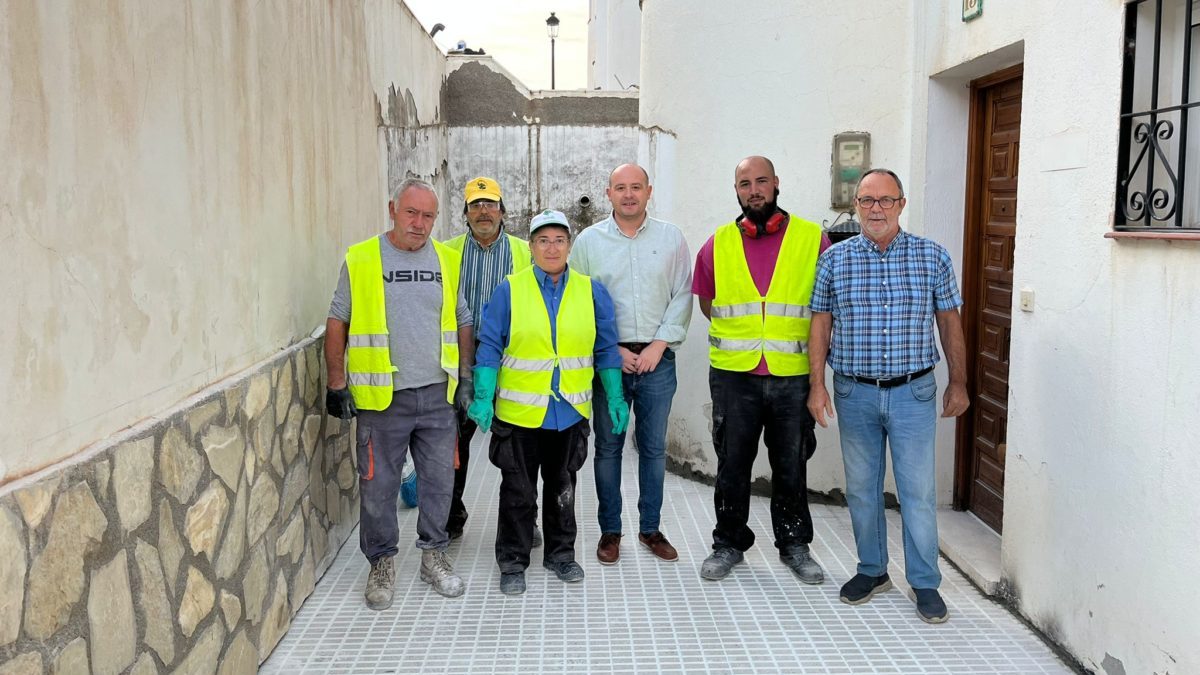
761	255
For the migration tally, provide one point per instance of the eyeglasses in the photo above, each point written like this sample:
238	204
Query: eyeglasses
883	202
546	242
481	205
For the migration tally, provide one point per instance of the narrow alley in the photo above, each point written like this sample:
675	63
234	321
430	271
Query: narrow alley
647	616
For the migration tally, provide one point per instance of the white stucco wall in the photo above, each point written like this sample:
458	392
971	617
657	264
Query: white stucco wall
614	44
177	186
1099	526
723	100
1100	514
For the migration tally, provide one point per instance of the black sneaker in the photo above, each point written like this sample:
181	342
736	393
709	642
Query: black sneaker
800	561
567	570
512	583
862	588
717	566
930	606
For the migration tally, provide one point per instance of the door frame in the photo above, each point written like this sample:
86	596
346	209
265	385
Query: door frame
972	272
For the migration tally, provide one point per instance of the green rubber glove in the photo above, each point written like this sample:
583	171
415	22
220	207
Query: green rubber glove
614	391
482	410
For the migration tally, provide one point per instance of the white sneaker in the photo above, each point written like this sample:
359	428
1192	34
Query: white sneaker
437	571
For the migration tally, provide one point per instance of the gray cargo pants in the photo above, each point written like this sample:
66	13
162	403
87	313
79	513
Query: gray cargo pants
422	420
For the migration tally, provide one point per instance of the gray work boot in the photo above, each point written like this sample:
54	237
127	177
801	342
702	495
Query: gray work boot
800	561
380	582
718	565
437	571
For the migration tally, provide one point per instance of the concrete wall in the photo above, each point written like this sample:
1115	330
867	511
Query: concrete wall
546	149
1099	512
407	76
786	102
179	184
614	44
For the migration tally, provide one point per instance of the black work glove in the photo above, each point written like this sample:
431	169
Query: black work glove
339	403
464	395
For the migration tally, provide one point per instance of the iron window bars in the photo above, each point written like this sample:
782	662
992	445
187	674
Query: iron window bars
1151	184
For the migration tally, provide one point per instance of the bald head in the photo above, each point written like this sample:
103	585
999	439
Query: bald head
757	186
629	191
756	163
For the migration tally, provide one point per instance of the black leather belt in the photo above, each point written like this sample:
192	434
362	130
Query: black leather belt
895	381
635	347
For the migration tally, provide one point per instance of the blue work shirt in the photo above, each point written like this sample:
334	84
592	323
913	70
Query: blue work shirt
493	338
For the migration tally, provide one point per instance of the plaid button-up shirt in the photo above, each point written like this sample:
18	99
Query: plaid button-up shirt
883	303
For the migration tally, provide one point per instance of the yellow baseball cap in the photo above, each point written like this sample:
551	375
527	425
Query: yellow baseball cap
482	188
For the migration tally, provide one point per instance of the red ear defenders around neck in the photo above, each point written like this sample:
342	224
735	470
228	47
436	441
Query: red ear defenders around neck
755	230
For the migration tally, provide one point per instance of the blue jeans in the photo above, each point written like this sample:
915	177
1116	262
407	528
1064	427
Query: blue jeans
869	419
649	395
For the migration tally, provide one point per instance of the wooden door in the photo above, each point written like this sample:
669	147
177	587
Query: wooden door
991	226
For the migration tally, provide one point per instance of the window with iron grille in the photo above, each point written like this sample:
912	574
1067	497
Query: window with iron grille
1158	174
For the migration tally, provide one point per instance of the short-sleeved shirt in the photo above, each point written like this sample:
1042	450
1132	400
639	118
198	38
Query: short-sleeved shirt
412	298
761	255
884	303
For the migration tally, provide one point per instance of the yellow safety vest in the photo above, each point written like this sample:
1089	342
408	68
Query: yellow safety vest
518	246
527	365
368	361
747	326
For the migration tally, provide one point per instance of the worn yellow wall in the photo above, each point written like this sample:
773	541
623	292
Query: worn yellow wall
178	182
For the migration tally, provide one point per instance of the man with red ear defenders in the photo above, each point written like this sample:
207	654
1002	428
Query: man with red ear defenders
754	278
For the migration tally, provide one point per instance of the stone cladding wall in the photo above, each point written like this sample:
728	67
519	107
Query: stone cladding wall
188	542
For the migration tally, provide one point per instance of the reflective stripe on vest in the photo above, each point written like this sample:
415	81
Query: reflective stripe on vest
527	365
519	247
369	365
747	326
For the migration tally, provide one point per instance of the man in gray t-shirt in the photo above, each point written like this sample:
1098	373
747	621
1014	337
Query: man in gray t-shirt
403	401
412	290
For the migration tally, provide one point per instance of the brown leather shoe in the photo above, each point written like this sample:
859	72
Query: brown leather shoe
608	551
659	546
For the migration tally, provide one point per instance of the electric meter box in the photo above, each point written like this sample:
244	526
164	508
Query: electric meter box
851	158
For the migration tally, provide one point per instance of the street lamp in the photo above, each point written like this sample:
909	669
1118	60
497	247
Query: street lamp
552	31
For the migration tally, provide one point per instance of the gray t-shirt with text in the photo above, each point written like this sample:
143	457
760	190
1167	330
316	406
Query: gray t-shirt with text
412	291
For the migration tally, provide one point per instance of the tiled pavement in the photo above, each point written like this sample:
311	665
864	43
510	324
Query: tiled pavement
643	615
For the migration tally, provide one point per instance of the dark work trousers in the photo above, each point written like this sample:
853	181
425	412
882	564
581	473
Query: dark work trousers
519	453
422	421
746	407
458	510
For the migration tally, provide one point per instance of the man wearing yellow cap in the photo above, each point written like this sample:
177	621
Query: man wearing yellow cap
488	255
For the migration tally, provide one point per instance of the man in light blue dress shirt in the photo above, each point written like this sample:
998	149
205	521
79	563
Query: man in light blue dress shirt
645	264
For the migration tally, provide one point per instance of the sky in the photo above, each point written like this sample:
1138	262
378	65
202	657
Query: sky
513	32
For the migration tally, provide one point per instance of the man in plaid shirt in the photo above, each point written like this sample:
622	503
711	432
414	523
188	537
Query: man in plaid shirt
876	298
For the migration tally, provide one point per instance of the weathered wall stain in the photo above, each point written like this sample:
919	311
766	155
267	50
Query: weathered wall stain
478	94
